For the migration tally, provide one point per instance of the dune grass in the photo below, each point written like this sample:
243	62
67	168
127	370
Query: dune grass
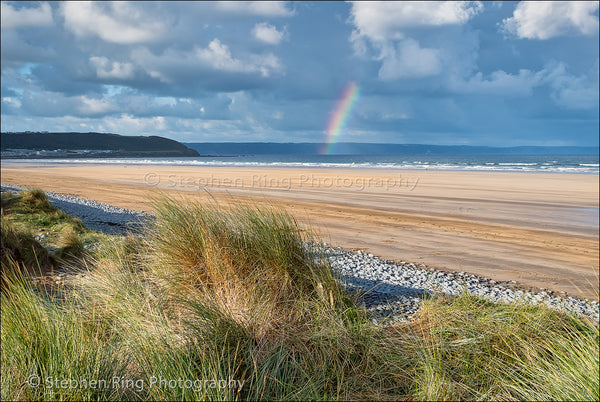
468	348
31	222
243	295
22	246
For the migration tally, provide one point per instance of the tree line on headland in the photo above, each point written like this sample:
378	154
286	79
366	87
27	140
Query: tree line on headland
15	144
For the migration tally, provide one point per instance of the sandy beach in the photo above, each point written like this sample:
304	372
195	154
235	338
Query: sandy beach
540	230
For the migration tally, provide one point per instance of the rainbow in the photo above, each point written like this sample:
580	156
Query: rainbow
340	116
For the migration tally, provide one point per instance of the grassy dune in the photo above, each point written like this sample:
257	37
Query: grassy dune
208	302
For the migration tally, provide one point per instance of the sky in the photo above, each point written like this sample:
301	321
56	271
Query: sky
468	73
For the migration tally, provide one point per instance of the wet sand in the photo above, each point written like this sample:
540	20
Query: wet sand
538	229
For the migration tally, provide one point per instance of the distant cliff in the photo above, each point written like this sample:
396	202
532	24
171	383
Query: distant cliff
36	145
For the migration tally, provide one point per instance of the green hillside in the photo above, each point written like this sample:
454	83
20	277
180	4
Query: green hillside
98	144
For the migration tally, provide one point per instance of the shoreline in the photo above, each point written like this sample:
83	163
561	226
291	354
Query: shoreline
537	229
136	161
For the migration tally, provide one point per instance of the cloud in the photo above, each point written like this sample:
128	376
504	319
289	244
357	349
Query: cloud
91	106
574	92
16	50
548	19
26	45
142	105
13	18
56	104
174	66
116	22
107	69
408	59
10	105
577	97
380	21
500	83
260	8
218	56
383	30
565	89
267	33
127	123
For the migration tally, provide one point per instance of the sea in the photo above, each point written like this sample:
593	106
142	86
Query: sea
578	164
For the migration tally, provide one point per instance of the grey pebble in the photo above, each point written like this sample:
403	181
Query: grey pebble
400	290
